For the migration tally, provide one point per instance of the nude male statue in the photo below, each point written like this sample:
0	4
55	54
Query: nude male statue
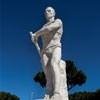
51	34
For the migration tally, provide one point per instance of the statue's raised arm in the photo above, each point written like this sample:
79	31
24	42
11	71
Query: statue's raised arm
46	29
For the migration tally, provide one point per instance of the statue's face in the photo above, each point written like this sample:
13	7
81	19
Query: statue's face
49	13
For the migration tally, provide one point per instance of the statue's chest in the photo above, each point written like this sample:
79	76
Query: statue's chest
48	36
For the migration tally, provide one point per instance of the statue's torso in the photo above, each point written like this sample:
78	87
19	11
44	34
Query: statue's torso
52	38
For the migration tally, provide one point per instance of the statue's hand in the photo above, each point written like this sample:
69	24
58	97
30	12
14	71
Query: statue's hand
33	37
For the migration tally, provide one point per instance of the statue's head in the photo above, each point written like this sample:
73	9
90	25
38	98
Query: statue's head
49	13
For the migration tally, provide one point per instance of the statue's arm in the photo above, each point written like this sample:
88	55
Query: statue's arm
56	25
46	29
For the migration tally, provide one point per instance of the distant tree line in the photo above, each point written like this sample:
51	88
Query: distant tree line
8	96
85	95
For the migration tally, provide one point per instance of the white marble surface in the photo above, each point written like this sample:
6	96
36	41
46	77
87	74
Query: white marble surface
53	66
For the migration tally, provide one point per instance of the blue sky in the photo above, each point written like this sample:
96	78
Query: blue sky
19	60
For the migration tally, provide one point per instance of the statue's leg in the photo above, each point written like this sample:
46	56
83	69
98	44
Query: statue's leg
48	73
55	59
49	84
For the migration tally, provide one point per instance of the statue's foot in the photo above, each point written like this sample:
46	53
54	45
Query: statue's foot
56	97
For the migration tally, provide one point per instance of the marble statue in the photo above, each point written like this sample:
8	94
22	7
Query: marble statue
53	66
